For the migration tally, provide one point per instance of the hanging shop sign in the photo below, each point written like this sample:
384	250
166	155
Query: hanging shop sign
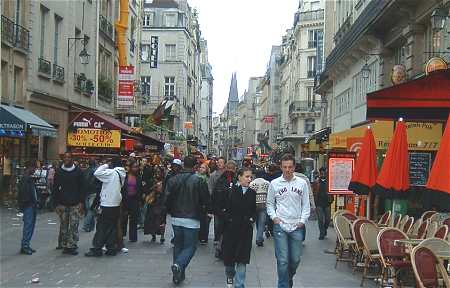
340	169
188	125
268	119
434	64
94	138
125	95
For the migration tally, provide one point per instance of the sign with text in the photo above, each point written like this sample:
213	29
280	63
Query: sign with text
125	95
419	168
340	169
94	138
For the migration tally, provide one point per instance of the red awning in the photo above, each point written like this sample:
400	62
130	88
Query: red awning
426	98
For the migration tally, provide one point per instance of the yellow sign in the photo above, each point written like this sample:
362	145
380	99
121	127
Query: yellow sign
424	136
94	138
382	131
434	64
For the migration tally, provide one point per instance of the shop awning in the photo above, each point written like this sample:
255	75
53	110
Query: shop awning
426	98
15	122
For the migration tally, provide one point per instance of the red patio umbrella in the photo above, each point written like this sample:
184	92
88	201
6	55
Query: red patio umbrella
393	180
439	179
365	174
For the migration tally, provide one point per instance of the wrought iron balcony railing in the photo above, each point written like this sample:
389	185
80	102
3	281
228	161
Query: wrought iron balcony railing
22	38
106	27
45	67
15	34
305	106
312	15
58	73
7	30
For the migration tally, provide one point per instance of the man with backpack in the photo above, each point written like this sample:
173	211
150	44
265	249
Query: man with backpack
112	177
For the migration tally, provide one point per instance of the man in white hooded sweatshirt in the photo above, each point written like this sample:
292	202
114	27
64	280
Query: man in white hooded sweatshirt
112	177
289	208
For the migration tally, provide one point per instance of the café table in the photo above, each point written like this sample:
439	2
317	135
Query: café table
443	254
409	244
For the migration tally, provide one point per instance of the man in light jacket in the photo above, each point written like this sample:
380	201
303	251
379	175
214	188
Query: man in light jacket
112	177
289	208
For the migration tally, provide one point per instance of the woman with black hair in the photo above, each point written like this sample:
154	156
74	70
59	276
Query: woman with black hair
131	195
240	214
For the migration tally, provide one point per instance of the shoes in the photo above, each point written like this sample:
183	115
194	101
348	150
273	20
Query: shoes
177	274
26	251
203	242
124	250
70	251
230	282
162	240
32	250
291	283
260	244
267	234
153	238
111	253
93	253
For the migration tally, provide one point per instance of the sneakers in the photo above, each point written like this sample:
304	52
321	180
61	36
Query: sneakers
26	251
111	253
162	240
230	282
70	251
177	274
93	253
203	242
259	244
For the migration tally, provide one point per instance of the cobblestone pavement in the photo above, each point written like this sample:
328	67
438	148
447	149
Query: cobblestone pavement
147	264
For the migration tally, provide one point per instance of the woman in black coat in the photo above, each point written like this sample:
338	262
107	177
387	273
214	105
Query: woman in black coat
240	213
155	217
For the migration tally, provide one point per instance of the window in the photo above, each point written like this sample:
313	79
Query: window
58	20
315	5
145	53
399	55
310	126
169	87
44	13
313	38
310	96
148	20
361	86
342	103
311	66
170	20
171	52
146	88
18	84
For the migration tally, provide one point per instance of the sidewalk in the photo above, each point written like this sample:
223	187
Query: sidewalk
148	264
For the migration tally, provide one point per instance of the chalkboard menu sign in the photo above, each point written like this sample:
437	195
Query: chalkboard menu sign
419	168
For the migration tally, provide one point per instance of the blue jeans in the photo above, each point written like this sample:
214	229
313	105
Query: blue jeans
29	221
288	248
185	245
238	273
89	219
260	225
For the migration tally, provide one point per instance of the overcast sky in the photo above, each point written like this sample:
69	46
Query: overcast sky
240	35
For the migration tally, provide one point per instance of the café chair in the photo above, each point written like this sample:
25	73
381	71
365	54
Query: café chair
402	222
350	216
407	225
384	220
422	231
393	257
446	222
441	232
427	215
431	230
397	220
415	228
345	245
426	267
359	246
435	245
369	233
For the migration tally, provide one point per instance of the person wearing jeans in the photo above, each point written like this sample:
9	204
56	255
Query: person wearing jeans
27	200
236	272
260	185
187	200
289	207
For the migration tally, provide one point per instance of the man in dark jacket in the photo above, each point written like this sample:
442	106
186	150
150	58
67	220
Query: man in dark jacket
27	199
69	199
187	200
221	190
91	186
323	203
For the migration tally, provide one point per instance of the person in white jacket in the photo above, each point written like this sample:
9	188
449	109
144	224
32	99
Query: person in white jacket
289	207
112	177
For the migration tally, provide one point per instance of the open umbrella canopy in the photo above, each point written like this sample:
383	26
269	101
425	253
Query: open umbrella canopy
365	173
439	179
393	180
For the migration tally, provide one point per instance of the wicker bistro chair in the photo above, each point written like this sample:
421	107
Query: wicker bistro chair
369	233
426	267
397	221
435	244
359	246
408	225
431	230
384	220
345	246
350	216
393	257
403	222
436	217
422	231
427	215
415	228
446	222
441	232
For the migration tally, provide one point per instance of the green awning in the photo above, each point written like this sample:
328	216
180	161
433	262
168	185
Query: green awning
26	119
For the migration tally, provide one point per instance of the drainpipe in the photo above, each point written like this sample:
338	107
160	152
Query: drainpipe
121	29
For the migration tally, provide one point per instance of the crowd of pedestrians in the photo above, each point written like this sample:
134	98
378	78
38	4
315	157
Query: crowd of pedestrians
116	197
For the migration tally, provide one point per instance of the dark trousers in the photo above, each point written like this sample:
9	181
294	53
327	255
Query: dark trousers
204	228
323	219
106	233
131	215
29	221
218	228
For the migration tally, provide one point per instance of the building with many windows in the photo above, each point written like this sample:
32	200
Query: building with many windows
170	62
205	101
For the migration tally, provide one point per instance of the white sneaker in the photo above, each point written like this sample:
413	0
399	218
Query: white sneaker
104	249
124	250
19	214
230	282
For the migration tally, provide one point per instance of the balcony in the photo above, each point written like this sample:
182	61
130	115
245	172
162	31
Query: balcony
8	30
22	38
305	107
14	34
312	74
58	73
83	85
106	27
45	67
311	15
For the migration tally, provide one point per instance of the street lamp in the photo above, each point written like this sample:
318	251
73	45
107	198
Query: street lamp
365	71
438	18
84	55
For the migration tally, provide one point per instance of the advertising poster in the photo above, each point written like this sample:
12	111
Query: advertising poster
125	95
340	169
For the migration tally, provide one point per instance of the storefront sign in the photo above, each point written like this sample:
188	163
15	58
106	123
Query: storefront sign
340	169
434	64
419	168
125	95
268	119
188	125
94	138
